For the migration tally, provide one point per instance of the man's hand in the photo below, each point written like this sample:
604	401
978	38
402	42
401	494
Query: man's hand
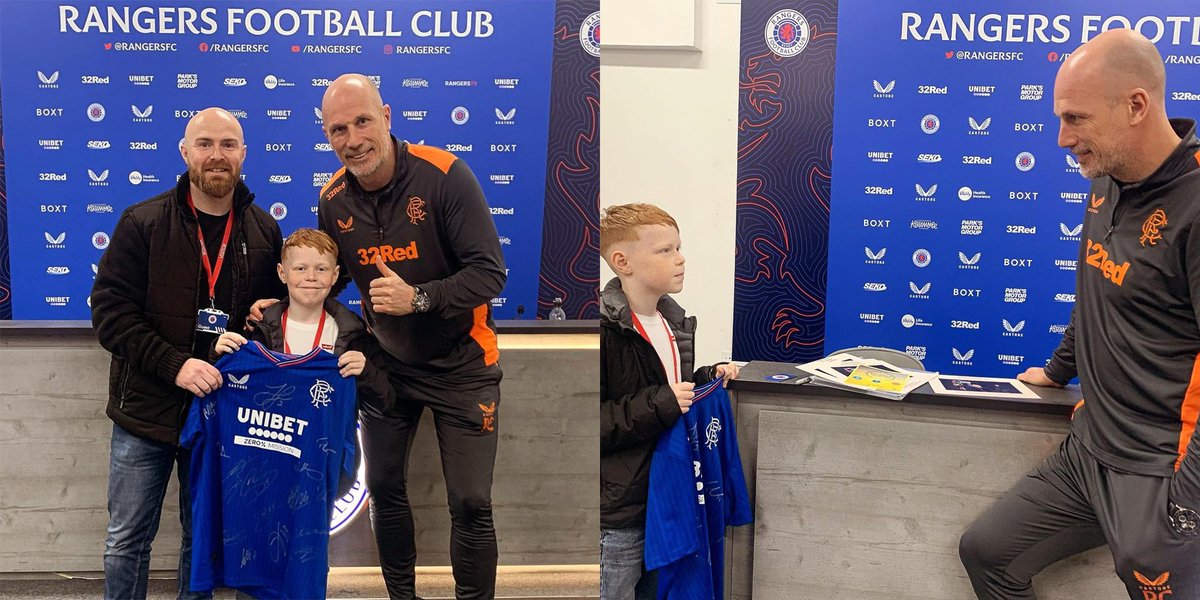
352	363
390	294
256	312
198	377
683	394
727	371
229	342
1037	376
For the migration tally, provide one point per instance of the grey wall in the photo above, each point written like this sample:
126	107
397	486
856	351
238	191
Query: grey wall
867	498
54	447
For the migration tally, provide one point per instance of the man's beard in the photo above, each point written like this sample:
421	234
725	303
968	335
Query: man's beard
368	169
211	185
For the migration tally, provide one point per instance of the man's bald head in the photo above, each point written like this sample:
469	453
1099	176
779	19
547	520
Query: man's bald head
1116	63
353	84
212	119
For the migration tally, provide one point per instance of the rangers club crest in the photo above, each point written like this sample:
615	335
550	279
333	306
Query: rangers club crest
416	210
787	33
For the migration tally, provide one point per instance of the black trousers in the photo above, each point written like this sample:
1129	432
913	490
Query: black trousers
465	417
1072	503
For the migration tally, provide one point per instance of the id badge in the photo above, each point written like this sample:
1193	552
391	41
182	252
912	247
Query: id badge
211	320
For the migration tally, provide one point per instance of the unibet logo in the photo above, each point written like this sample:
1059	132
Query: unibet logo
279	114
1097	256
502	179
1073	197
1066	265
872	318
367	256
983	91
879	157
1011	359
50	144
414	115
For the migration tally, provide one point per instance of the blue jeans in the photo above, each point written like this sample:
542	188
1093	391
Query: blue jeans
622	572
139	470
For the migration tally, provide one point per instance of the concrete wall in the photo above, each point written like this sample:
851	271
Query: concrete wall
54	447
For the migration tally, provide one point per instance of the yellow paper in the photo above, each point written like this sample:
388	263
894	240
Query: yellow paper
877	379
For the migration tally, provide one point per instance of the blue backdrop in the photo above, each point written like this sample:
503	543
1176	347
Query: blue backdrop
914	186
96	96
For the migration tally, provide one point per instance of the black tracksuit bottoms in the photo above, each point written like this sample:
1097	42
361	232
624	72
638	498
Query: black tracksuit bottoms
465	416
1072	503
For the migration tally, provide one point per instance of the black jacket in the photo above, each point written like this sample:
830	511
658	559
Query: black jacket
432	226
1134	335
373	386
149	286
636	403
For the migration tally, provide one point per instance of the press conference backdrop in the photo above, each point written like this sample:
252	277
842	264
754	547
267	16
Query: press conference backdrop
96	96
923	163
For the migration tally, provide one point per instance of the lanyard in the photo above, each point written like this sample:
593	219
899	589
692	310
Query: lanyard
212	272
674	374
316	341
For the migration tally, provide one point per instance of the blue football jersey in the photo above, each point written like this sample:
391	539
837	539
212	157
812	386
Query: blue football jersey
696	490
268	448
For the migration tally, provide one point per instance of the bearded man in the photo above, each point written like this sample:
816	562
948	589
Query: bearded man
181	267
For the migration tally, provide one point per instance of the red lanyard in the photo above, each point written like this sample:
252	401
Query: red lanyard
316	341
674	374
212	272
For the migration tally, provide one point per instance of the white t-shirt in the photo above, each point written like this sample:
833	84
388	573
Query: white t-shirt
300	335
663	341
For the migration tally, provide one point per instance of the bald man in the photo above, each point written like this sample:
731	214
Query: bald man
416	236
1128	473
180	268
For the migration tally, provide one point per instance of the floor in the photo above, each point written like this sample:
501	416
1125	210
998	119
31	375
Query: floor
512	583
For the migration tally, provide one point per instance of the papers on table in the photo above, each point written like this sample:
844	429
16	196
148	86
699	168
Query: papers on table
980	387
866	375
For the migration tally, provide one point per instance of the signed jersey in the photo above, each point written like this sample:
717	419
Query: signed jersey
696	489
267	451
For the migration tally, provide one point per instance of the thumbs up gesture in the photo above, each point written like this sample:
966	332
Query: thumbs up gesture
390	294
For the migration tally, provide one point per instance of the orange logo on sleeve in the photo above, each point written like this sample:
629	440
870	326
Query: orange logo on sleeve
1154	589
1156	221
489	416
416	212
1096	202
346	226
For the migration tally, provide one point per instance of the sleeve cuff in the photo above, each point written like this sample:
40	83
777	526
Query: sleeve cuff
170	365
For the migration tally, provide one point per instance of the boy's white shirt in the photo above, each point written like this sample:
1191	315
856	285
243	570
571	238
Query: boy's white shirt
662	340
300	335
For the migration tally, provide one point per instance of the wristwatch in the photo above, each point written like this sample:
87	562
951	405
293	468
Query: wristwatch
420	301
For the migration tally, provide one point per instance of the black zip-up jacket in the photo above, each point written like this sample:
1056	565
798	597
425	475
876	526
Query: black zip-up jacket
1134	335
150	285
433	227
373	386
636	403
